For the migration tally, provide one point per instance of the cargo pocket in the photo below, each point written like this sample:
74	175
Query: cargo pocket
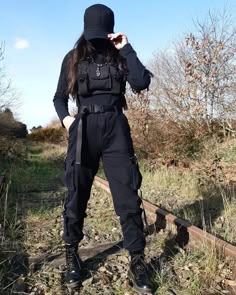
136	176
69	174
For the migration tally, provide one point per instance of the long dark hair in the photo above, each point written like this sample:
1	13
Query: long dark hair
84	49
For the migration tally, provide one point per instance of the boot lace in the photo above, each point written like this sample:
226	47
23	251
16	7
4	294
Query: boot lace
72	259
139	264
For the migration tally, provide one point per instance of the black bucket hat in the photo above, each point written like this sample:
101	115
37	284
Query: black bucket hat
98	22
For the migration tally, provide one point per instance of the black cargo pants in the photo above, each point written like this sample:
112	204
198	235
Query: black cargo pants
107	136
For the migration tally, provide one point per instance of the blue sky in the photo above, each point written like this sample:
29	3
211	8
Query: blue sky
38	33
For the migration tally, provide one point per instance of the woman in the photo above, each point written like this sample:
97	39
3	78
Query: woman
94	73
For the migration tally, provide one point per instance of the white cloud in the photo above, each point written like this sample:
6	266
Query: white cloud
21	43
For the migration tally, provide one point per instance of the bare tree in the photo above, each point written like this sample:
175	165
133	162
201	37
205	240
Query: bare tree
8	96
196	80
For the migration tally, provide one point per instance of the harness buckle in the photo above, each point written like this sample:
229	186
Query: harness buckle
101	108
98	108
91	108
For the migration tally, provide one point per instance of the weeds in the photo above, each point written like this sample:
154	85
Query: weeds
27	180
192	272
33	222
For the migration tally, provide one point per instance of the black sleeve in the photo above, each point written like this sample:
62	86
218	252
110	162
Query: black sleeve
60	99
138	76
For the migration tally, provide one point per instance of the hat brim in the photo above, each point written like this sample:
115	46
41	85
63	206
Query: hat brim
94	34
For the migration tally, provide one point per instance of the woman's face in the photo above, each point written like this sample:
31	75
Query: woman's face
100	44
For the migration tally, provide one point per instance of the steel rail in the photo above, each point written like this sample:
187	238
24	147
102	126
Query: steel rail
184	227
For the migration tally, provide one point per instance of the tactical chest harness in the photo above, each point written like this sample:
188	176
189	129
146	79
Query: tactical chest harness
94	79
99	78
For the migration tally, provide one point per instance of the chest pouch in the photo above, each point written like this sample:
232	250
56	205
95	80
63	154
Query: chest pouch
99	77
94	78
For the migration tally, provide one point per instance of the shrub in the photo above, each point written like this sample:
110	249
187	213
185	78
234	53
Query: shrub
12	148
10	127
48	134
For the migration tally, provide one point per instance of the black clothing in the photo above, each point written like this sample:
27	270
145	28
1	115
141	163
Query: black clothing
73	266
138	77
99	78
104	135
98	22
91	109
138	274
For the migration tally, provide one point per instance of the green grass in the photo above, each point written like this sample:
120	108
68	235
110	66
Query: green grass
34	194
36	175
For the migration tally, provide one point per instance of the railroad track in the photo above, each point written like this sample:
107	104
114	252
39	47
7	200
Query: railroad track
187	235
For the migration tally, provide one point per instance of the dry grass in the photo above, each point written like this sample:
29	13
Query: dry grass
198	272
172	188
205	194
47	151
192	193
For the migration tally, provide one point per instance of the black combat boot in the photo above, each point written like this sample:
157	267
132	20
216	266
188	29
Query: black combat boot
138	273
73	265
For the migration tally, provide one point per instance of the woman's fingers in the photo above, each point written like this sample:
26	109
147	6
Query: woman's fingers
113	36
119	40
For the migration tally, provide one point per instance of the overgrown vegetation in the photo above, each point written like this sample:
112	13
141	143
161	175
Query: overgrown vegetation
49	134
11	148
183	130
192	94
30	182
33	227
35	202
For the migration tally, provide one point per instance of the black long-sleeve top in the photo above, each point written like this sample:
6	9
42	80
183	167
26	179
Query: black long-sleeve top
138	78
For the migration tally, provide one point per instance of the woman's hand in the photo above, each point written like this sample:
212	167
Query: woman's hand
67	121
119	40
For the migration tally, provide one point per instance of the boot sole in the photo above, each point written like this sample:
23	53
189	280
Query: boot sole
73	285
141	290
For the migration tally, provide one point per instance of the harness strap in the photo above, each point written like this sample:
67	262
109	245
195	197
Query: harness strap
90	109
